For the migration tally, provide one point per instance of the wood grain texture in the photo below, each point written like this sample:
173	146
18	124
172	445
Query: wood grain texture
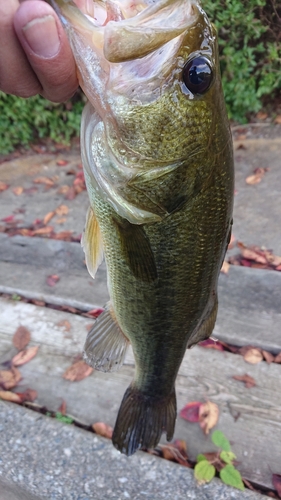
250	418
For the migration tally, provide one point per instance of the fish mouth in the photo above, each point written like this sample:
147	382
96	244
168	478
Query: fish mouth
125	30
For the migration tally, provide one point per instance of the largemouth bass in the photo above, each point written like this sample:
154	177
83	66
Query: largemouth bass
157	155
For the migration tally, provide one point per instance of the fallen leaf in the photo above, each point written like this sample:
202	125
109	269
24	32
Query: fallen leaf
208	416
10	396
276	481
3	186
71	193
18	190
269	358
65	323
63	189
94	313
278	120
25	356
261	115
28	395
248	381
170	452
43	230
277	358
190	412
257	176
8	219
62	163
21	338
212	344
180	444
44	180
103	429
225	267
62	408
62	210
63	235
48	217
251	355
52	279
9	378
78	371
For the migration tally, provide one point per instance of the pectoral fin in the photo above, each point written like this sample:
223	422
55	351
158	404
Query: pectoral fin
92	243
106	345
136	250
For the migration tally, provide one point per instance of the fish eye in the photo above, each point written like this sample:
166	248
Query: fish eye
197	75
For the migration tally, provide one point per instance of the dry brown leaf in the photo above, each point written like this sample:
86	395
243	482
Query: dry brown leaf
247	379
252	355
25	356
208	416
63	189
62	408
48	217
278	120
257	176
103	429
261	115
52	279
78	371
70	194
10	396
18	190
63	235
225	267
3	186
62	210
44	180
171	452
43	230
9	378
277	358
269	358
21	338
62	163
65	323
28	395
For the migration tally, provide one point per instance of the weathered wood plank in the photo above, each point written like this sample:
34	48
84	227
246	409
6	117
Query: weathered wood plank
249	299
204	374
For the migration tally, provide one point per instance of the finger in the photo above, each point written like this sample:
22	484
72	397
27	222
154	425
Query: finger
47	49
16	74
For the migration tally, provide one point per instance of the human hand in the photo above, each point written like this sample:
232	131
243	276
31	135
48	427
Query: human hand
35	56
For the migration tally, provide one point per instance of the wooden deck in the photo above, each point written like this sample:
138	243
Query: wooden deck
250	418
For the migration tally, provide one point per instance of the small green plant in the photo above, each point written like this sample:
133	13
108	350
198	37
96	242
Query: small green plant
222	462
16	297
63	418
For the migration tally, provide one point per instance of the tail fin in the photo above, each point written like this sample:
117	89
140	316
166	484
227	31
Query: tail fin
142	419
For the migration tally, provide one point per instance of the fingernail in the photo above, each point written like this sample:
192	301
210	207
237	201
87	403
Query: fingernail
42	36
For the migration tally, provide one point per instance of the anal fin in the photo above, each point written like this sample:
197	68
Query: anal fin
92	243
106	345
205	328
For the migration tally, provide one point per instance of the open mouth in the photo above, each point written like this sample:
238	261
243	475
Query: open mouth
126	30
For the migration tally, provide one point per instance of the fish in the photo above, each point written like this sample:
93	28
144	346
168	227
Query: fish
157	154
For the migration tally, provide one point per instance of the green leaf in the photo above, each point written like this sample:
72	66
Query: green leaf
231	476
220	440
64	418
227	456
200	458
204	471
